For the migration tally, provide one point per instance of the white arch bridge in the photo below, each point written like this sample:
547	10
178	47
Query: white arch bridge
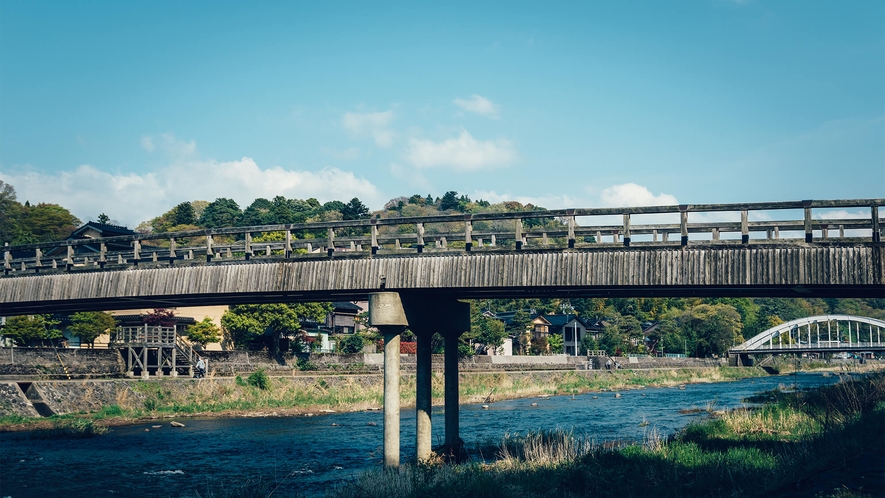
818	334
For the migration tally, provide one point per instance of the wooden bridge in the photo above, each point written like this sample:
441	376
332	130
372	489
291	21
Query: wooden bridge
568	252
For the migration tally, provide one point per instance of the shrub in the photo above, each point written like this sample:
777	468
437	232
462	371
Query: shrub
351	344
305	364
260	379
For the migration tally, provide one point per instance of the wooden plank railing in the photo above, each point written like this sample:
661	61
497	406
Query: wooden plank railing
553	229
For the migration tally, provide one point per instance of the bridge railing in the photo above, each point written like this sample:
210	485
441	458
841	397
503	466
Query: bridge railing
587	228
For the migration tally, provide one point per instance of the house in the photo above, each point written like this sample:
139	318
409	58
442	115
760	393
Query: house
94	230
572	328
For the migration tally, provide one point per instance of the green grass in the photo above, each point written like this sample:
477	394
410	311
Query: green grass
742	453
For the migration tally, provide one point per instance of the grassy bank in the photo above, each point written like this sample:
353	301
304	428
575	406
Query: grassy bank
260	394
756	452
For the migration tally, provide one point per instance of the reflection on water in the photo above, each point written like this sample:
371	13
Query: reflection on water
312	454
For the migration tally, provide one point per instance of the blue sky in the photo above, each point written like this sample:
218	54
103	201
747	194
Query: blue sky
129	108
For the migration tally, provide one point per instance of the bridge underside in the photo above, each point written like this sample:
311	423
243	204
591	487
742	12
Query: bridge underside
798	271
181	300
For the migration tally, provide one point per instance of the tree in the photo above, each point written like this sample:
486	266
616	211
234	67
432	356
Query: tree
485	333
103	219
247	322
48	222
160	317
540	345
449	201
221	213
183	214
708	329
555	342
89	325
204	332
25	329
350	344
355	210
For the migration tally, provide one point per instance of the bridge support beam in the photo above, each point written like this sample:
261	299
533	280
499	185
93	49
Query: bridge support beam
450	319
386	313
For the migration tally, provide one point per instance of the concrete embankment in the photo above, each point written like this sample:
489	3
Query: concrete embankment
17	364
306	392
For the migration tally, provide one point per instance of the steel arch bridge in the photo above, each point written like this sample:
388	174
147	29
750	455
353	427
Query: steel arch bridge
823	333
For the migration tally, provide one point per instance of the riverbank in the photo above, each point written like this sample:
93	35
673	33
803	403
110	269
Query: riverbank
119	401
798	444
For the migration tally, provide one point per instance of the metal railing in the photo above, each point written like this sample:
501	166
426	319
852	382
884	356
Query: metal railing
553	229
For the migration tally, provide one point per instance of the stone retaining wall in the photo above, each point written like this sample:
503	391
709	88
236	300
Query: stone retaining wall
61	363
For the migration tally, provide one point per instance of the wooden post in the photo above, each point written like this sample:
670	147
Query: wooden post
247	246
809	234
419	230
69	263
287	251
136	250
374	236
7	259
626	230
683	223
598	237
493	242
330	244
571	228
745	227
654	235
468	233
715	233
518	233
544	240
102	255
616	236
874	212
37	255
171	252
665	237
209	253
824	231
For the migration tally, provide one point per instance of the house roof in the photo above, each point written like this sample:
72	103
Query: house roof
105	229
341	306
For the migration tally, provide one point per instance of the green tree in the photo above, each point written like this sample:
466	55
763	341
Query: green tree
449	201
27	329
183	214
355	210
103	219
88	325
204	332
247	322
556	343
350	344
221	213
47	222
485	333
708	329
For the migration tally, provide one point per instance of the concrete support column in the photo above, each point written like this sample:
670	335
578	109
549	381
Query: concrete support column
423	397
451	394
391	394
386	313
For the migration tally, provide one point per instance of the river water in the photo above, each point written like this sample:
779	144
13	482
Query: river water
212	455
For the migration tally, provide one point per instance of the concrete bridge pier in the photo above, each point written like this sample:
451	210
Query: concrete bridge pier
386	313
391	313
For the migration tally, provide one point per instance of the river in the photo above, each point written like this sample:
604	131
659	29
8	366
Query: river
212	455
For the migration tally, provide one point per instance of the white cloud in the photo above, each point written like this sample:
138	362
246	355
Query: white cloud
631	194
374	124
349	154
843	214
413	178
134	197
463	153
479	105
148	143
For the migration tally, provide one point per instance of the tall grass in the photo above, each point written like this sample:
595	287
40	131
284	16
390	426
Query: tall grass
742	453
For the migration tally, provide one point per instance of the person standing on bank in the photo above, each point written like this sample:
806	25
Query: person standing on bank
201	367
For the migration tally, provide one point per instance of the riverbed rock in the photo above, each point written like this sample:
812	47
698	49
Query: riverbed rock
176	424
534	404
